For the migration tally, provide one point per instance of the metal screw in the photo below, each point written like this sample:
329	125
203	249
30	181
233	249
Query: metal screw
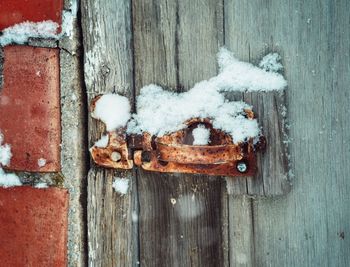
242	167
115	156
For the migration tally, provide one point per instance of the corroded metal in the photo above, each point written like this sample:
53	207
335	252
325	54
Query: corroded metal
175	152
115	155
225	169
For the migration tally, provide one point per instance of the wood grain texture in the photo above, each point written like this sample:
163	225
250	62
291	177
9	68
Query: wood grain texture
310	225
180	215
112	235
272	176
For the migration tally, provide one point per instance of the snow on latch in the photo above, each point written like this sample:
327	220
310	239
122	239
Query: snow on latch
161	112
121	185
6	179
201	135
103	142
113	110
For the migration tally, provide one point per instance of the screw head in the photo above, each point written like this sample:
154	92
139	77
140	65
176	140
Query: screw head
242	167
115	156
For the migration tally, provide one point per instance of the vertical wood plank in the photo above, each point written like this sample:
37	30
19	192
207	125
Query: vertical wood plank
308	226
241	237
180	215
106	25
272	177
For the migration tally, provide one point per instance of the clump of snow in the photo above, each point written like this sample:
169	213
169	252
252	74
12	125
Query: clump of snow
160	112
271	62
103	142
113	110
5	152
41	162
41	185
201	135
9	179
236	75
121	185
6	179
20	33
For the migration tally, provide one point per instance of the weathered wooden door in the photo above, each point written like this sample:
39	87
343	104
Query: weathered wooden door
129	44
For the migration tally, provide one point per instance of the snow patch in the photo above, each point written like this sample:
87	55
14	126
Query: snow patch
9	179
121	185
5	152
271	62
103	142
113	110
160	112
6	179
41	162
201	135
241	76
20	33
41	185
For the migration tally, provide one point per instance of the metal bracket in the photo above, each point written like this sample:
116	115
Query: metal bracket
175	152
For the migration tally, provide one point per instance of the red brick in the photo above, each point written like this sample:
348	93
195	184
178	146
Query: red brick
30	107
33	226
16	11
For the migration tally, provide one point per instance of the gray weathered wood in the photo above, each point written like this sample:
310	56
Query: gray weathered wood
106	25
310	225
180	215
271	178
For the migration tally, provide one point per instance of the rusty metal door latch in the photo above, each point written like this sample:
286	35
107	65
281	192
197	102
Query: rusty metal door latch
176	153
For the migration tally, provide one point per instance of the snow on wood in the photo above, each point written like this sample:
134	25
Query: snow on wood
113	110
271	62
241	76
201	135
121	185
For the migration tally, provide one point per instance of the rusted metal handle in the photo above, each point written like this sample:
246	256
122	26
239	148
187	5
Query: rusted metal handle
190	154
